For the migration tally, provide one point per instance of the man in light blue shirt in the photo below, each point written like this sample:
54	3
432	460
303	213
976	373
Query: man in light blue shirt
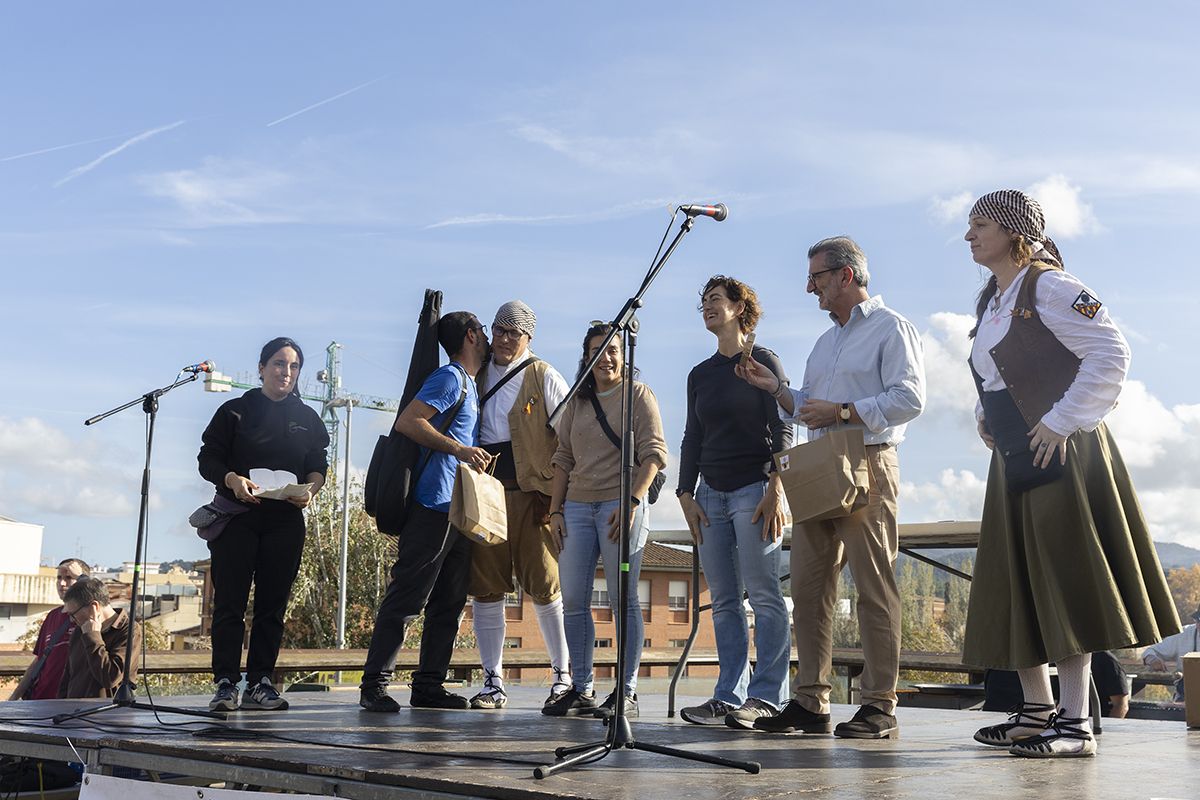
867	371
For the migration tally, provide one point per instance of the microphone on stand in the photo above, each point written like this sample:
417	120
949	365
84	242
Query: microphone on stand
203	366
718	212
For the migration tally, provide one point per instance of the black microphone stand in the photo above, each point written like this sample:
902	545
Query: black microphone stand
620	734
124	697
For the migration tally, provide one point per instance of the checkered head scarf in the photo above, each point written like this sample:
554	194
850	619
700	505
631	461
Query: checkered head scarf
516	315
1021	214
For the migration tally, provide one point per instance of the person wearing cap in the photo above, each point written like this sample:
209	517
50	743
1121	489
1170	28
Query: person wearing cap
1066	566
865	372
518	392
1168	654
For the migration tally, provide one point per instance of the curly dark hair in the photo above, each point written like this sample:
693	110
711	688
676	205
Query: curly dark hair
737	292
588	389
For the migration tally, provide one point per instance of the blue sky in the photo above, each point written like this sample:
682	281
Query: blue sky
185	183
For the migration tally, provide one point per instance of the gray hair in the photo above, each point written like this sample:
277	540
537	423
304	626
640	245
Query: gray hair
842	251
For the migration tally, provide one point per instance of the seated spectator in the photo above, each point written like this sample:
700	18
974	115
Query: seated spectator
41	679
96	656
1167	655
1002	689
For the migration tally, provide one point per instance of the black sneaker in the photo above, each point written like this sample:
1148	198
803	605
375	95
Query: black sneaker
226	698
436	697
608	707
374	697
794	717
262	696
561	685
869	722
572	703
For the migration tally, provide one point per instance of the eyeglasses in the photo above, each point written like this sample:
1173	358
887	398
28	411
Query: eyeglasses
812	275
506	333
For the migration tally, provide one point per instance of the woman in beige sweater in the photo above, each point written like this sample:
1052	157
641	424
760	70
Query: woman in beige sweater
584	517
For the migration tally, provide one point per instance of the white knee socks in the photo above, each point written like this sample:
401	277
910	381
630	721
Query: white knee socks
550	620
1035	684
489	636
1074	676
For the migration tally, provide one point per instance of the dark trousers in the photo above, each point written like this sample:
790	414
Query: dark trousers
261	546
431	572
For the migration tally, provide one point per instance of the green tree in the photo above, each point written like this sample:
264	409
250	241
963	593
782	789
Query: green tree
311	620
312	612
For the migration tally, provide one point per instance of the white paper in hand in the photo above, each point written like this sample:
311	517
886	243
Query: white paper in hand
277	484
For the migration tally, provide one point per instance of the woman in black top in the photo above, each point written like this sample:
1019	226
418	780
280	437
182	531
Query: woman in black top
268	428
735	514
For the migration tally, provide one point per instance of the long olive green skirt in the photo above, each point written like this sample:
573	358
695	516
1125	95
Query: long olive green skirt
1066	568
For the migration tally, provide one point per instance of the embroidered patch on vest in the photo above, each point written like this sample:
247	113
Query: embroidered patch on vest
1087	305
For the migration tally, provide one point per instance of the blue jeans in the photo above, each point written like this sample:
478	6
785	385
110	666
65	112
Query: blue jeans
735	558
587	541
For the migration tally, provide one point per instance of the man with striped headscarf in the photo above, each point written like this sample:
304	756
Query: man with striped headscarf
514	411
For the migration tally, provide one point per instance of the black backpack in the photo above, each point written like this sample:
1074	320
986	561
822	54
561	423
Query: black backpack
394	469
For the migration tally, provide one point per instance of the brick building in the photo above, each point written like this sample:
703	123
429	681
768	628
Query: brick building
665	591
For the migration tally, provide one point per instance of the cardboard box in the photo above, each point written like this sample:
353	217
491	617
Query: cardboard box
1191	688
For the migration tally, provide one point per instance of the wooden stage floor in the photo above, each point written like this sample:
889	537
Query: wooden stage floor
325	745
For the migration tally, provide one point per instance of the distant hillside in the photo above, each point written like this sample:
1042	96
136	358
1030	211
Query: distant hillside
1176	555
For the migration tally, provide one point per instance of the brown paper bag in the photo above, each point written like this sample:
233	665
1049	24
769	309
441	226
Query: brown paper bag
477	506
827	477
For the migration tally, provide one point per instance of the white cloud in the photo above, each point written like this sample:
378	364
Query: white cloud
1171	514
44	470
948	382
954	495
1146	429
947	210
1067	216
222	192
91	165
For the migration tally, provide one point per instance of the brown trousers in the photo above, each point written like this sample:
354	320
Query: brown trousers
867	540
527	554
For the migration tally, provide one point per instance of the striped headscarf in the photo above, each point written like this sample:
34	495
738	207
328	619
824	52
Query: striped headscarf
1019	213
516	315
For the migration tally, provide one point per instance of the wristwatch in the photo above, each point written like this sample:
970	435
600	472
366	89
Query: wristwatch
634	502
844	414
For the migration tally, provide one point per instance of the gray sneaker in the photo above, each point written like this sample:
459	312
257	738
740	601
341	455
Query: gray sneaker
743	717
710	712
263	697
226	698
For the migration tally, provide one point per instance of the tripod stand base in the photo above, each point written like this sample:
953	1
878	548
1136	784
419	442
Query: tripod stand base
119	702
623	737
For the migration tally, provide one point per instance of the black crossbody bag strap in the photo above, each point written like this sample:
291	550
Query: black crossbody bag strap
512	374
602	418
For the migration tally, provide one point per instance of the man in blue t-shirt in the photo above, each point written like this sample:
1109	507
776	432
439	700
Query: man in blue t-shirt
433	563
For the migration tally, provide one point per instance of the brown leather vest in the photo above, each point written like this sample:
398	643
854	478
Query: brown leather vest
1035	366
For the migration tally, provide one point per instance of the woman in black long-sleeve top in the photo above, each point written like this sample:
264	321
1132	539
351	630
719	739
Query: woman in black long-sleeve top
267	428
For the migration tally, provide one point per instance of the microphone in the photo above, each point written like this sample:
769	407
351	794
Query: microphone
203	366
718	212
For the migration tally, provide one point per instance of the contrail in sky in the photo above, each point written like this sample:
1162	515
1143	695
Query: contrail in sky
323	102
58	147
91	165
